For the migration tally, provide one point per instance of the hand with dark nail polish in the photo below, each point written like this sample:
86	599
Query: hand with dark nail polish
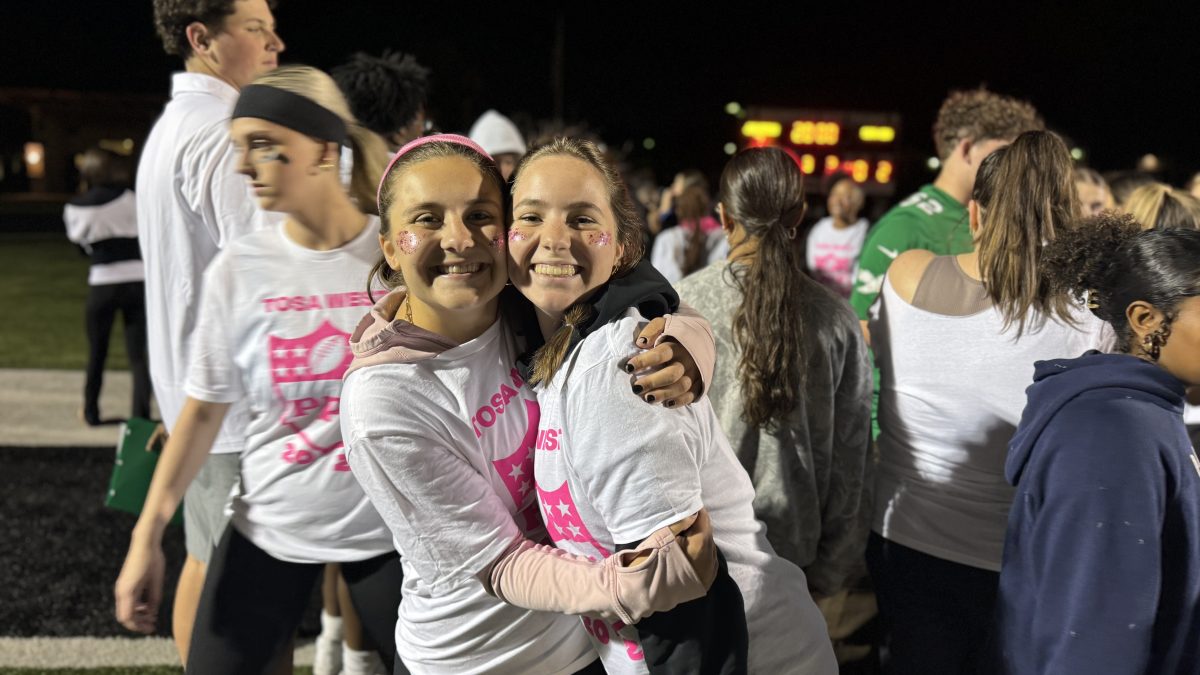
637	388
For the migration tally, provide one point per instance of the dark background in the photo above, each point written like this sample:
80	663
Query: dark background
1118	80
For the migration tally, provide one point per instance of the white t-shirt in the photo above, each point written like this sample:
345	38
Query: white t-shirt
274	331
116	219
191	203
611	470
670	248
443	446
832	254
952	390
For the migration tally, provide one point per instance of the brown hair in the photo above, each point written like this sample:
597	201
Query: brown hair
391	277
629	234
1026	192
980	115
370	151
691	207
1161	207
762	190
172	17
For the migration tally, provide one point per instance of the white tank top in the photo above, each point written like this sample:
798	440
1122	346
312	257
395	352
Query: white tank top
951	393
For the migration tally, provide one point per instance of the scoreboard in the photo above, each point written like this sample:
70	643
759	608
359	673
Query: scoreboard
861	145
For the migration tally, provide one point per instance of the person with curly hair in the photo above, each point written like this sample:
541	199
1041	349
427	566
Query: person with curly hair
387	93
1102	556
970	125
191	204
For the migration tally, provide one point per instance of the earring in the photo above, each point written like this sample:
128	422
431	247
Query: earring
325	166
1153	343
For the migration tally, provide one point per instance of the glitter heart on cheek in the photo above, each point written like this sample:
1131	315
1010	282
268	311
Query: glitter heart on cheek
600	239
517	236
407	241
497	242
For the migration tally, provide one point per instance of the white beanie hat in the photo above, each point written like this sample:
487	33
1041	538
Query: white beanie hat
497	134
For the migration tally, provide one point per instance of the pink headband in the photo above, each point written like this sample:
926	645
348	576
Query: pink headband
425	140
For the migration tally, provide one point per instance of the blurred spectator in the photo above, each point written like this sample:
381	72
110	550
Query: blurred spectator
695	243
496	134
103	221
387	94
836	240
1161	207
665	216
1193	186
1094	195
1122	184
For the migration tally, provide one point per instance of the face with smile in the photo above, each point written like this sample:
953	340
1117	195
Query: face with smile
563	241
281	163
446	237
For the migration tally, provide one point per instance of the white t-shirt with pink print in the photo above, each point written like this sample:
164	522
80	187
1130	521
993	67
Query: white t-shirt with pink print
273	330
611	470
443	443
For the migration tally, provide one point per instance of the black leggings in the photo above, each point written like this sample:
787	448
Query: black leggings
252	603
103	303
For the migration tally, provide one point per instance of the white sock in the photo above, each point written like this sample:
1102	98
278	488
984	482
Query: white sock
328	657
366	662
331	627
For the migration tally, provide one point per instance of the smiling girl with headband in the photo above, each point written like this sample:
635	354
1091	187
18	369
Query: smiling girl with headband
609	471
275	315
441	429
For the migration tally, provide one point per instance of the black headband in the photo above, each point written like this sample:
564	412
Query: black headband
293	111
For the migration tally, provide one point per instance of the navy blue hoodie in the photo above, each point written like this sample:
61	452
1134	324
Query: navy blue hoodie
1102	558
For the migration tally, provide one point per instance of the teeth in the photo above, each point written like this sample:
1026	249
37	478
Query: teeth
555	270
460	269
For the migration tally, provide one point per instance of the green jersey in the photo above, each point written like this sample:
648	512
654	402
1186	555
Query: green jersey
928	219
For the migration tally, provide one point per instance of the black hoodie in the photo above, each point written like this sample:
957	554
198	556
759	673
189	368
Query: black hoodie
1102	558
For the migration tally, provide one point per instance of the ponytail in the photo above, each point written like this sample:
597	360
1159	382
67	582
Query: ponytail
762	190
370	155
549	357
1027	194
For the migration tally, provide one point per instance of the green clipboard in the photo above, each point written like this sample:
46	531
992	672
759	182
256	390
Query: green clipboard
133	468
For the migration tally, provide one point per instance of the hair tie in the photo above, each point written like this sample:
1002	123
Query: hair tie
426	140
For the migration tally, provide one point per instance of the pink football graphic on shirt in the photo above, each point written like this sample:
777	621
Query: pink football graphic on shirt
327	354
323	354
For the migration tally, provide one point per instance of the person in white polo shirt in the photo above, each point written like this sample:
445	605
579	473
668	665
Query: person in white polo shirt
191	203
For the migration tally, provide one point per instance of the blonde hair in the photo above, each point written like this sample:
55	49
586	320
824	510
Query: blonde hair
550	356
370	151
1161	207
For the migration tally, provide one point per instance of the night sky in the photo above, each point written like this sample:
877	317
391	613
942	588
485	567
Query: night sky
1119	84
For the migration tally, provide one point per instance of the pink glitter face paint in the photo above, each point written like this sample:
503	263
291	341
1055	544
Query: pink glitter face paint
498	241
515	235
407	241
600	238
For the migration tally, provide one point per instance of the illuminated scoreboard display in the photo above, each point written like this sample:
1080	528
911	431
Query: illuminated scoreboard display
861	145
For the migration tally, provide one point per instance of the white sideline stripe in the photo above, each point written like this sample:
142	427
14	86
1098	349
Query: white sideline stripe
89	652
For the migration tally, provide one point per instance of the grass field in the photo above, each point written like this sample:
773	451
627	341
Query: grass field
43	289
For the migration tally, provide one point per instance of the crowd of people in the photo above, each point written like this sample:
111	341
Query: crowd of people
517	417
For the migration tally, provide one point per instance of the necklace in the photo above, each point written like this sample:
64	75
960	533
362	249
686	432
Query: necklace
408	310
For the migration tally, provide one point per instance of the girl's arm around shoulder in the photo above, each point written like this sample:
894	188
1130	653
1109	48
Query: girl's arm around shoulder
684	352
